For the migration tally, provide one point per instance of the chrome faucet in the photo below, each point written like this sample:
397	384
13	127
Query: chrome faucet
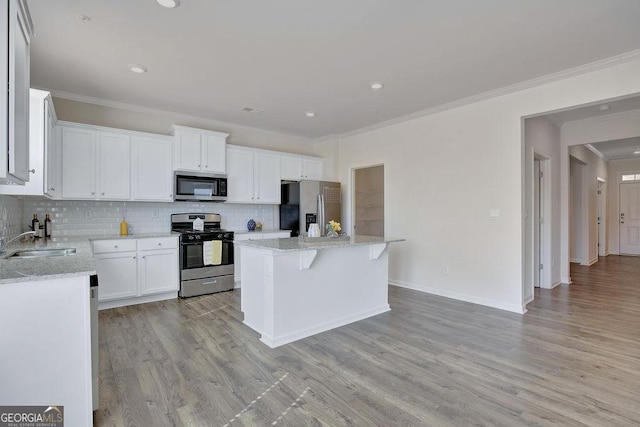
3	244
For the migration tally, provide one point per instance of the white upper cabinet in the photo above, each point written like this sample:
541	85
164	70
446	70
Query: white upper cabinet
115	170
152	168
312	168
200	150
95	165
41	123
301	167
253	176
78	163
111	164
15	33
52	153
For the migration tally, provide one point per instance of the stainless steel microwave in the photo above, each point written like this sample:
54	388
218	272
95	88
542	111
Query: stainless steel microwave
198	186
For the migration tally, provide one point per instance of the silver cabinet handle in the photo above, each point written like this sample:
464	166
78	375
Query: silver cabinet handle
93	194
52	189
103	194
159	244
134	257
32	171
210	282
115	246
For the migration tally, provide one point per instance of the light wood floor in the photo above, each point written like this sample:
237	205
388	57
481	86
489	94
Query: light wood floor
573	359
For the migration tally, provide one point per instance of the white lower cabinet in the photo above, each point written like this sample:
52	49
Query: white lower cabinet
258	235
134	271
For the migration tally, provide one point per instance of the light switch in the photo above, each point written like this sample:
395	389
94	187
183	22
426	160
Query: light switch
494	213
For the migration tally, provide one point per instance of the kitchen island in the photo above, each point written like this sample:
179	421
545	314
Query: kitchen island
292	288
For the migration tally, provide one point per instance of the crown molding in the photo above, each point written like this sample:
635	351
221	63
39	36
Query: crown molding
517	87
227	127
597	152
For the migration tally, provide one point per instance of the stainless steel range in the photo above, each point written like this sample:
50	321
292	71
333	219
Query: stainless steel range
206	254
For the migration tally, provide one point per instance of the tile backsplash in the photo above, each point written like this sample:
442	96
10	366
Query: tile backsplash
80	218
10	216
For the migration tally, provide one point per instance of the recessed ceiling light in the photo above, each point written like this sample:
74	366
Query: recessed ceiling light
376	85
604	107
310	114
138	69
169	3
84	18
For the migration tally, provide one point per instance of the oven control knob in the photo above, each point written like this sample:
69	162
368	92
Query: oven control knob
190	237
227	235
220	236
198	237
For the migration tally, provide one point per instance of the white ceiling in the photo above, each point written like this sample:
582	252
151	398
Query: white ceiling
212	58
619	149
597	110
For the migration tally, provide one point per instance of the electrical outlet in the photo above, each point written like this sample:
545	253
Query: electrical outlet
445	269
88	214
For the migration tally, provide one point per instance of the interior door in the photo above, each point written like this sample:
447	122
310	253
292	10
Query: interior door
368	189
630	218
537	223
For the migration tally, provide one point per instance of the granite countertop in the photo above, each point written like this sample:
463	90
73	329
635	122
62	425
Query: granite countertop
79	264
264	231
294	244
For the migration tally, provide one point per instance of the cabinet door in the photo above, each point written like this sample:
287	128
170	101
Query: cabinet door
291	167
115	167
214	154
15	103
240	176
312	168
187	150
35	185
117	275
159	271
78	163
152	169
51	155
267	178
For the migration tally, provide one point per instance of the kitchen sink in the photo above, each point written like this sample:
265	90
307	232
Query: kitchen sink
41	253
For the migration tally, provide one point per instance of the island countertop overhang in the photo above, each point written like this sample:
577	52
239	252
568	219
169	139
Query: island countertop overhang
294	244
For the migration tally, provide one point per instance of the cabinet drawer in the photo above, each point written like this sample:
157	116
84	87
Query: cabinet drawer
158	243
110	246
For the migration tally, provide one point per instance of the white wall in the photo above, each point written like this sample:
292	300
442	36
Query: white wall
542	138
613	199
447	170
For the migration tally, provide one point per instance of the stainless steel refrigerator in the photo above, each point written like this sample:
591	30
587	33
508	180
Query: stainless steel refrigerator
308	202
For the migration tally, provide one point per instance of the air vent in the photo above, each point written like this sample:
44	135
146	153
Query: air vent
251	110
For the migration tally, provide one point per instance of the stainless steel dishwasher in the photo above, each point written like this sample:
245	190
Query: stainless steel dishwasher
93	283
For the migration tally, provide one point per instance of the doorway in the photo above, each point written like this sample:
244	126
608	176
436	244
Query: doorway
629	218
368	199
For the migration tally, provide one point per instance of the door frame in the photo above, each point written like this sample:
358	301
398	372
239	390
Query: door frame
619	209
601	186
545	274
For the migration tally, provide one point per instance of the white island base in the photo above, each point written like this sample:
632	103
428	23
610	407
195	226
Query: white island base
291	291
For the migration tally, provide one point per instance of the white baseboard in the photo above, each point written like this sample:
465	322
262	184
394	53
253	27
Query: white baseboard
575	261
514	308
593	261
316	329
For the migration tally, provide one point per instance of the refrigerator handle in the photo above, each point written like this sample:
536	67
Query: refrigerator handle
321	214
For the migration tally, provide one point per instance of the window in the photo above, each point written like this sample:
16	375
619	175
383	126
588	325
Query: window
631	177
